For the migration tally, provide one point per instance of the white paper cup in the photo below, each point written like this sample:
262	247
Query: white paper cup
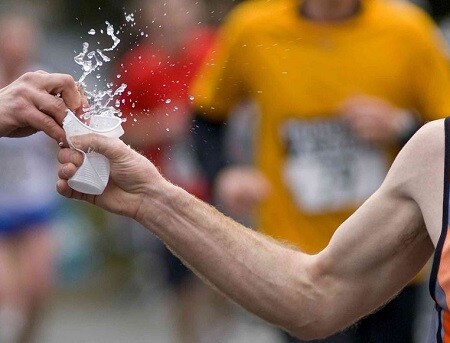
93	175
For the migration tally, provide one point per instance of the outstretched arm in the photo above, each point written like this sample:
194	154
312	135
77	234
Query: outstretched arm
371	257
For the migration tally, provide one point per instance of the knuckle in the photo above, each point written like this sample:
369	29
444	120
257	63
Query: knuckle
19	104
65	170
56	105
29	77
48	122
76	157
21	90
62	155
59	105
68	81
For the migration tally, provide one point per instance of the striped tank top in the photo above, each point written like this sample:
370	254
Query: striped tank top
440	273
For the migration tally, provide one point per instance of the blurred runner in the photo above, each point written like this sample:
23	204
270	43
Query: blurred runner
28	198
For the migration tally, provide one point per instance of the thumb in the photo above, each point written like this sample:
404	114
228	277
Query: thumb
111	148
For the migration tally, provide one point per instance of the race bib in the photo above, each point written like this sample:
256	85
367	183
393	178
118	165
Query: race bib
327	167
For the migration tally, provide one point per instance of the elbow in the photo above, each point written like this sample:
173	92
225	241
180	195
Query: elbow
313	332
318	327
317	318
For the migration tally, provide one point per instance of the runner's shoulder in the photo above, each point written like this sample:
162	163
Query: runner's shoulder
430	137
427	145
421	158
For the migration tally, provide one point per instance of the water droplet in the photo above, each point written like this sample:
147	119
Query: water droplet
119	76
91	32
167	129
191	98
168	101
129	17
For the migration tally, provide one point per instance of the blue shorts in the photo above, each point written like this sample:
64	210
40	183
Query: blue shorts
15	222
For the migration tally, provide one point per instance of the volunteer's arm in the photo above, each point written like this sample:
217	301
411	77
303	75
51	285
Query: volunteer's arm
371	257
29	104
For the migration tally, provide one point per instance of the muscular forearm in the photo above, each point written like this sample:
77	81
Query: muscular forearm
265	277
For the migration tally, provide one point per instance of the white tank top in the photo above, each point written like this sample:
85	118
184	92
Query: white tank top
28	172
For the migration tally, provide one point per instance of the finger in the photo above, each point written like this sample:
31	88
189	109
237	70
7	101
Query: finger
112	148
22	132
70	156
62	187
65	85
50	105
84	100
66	171
42	122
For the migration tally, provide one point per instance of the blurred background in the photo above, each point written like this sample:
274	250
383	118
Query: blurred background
95	277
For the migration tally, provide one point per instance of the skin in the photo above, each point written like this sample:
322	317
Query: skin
371	257
29	104
239	189
329	10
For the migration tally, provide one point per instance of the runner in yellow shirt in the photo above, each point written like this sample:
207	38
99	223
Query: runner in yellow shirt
336	84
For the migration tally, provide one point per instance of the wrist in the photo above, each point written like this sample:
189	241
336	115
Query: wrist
155	202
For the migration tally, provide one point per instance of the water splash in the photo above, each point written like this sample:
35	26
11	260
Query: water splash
91	61
129	17
110	32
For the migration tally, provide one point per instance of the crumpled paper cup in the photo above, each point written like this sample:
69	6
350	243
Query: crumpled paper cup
93	175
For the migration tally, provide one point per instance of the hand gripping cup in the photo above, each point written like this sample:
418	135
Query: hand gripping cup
92	176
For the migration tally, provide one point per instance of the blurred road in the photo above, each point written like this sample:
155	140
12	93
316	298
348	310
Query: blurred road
95	320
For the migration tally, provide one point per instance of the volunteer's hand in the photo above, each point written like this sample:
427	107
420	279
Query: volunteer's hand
29	104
